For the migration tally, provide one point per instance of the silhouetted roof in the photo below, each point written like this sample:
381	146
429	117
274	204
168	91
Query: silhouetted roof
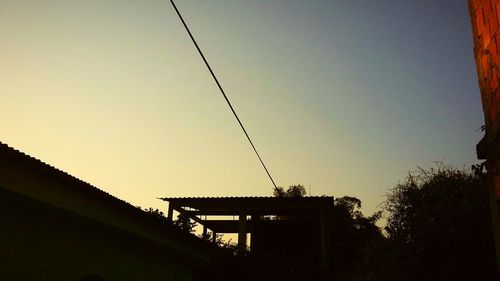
251	205
197	207
100	197
35	163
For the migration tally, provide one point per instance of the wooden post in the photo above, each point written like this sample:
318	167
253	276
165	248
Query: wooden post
255	223
242	233
170	211
325	239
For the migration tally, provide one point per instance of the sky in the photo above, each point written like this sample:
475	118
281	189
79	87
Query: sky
342	96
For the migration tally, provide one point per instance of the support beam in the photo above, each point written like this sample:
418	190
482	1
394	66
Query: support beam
242	233
255	221
227	226
190	215
214	237
325	239
170	212
263	212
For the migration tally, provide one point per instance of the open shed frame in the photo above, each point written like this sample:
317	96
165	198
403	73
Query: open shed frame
249	210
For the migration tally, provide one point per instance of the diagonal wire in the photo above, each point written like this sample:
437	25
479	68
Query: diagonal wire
222	91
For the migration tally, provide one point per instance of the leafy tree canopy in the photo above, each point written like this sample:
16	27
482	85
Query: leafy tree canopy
184	223
357	241
438	226
292	191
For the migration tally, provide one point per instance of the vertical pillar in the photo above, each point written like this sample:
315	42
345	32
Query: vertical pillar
214	237
485	34
325	233
170	211
255	223
492	169
242	233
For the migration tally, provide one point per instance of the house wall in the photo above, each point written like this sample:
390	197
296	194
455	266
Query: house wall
42	242
56	227
273	239
41	182
485	15
485	21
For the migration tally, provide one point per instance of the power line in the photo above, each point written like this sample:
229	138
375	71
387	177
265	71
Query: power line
222	90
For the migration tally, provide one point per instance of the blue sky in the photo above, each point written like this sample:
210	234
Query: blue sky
344	97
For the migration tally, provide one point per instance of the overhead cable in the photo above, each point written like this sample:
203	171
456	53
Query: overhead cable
222	91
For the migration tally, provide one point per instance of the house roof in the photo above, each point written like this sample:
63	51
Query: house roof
251	205
72	194
11	153
198	208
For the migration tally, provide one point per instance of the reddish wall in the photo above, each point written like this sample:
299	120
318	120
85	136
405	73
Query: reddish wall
485	19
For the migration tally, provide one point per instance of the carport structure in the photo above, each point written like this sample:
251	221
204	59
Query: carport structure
250	210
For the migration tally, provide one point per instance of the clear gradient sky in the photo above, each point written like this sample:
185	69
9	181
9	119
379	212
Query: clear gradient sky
344	96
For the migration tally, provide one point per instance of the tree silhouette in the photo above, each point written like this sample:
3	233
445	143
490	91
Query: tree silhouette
292	191
439	227
357	241
184	223
155	212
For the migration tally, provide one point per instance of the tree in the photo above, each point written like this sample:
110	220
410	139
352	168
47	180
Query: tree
357	241
439	227
184	223
219	241
155	212
292	191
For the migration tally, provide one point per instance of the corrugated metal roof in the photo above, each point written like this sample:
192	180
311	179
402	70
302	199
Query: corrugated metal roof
253	205
240	197
14	155
74	182
53	171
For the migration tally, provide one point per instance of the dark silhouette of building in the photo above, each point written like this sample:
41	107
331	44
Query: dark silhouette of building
54	226
290	237
485	22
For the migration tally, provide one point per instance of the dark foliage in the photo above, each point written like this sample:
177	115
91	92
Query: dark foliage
184	223
156	213
225	244
357	241
292	191
439	227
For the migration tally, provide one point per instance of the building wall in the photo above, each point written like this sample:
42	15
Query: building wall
272	239
485	19
485	22
42	242
56	227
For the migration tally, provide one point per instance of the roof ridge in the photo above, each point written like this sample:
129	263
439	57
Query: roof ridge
5	148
